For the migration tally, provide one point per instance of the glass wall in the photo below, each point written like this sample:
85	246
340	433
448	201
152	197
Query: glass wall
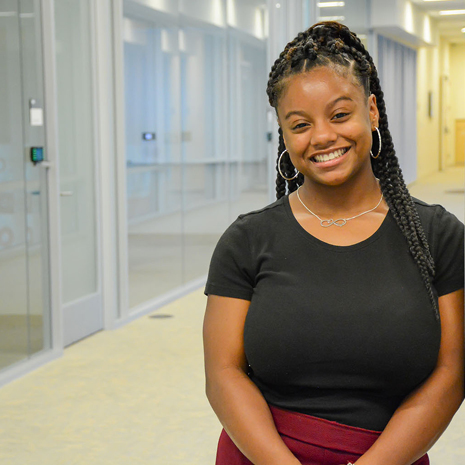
153	156
196	147
24	267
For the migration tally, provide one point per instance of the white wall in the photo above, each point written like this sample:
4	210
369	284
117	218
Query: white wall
445	103
457	87
441	70
428	127
457	77
402	21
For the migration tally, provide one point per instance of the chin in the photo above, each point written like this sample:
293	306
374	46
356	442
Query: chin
330	180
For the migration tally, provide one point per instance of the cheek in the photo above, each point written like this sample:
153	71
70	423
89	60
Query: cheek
361	134
296	142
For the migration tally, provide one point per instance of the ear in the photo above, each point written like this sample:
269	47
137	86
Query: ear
373	110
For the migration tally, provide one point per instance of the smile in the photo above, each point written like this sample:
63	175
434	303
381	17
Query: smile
329	156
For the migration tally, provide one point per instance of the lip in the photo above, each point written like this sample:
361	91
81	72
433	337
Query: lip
330	163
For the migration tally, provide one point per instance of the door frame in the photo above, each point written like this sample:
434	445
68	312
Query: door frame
106	105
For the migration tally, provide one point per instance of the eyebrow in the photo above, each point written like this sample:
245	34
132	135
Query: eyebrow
344	97
296	112
303	113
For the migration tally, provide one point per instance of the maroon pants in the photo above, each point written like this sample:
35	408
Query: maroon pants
312	440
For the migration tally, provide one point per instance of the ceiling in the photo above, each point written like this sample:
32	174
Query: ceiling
449	26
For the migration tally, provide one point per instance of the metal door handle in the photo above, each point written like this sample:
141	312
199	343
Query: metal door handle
66	193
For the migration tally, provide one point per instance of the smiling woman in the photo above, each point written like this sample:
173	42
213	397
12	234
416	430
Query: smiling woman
334	325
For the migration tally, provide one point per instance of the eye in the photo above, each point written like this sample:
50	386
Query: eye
300	126
340	115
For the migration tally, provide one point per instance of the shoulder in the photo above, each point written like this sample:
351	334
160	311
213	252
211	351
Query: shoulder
427	210
258	220
443	229
436	219
250	225
234	263
273	209
445	235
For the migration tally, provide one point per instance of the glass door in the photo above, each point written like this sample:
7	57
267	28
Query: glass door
24	265
81	289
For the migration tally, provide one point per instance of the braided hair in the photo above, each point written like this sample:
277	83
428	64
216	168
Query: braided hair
331	44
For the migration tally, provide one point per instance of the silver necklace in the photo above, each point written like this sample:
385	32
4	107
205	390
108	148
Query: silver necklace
340	221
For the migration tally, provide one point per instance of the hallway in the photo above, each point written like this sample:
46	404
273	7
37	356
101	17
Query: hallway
135	395
130	396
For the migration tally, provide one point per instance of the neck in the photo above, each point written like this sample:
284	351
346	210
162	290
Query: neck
342	200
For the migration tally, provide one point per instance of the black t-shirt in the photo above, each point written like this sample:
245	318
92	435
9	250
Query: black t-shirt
339	332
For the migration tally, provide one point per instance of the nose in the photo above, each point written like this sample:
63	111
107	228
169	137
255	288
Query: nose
323	134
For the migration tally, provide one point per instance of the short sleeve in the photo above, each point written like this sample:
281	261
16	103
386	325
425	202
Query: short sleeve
448	252
231	270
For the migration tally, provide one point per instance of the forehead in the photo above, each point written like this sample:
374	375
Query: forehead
319	86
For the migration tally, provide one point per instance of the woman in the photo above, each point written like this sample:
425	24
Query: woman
334	325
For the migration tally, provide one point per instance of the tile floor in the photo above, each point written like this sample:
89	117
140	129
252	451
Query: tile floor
130	396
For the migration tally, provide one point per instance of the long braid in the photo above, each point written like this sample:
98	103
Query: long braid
334	45
398	198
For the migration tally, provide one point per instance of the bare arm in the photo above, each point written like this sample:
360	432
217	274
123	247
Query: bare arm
424	415
236	400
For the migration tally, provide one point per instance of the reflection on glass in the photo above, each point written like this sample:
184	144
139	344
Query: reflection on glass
249	164
153	175
24	309
204	143
39	318
199	86
13	253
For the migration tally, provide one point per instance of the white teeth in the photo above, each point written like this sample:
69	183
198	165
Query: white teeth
330	156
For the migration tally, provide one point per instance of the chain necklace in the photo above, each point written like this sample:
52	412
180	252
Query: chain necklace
340	221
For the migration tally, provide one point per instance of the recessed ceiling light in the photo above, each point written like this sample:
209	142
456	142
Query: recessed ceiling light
329	4
463	30
452	12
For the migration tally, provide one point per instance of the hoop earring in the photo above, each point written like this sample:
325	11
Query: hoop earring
279	168
379	149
